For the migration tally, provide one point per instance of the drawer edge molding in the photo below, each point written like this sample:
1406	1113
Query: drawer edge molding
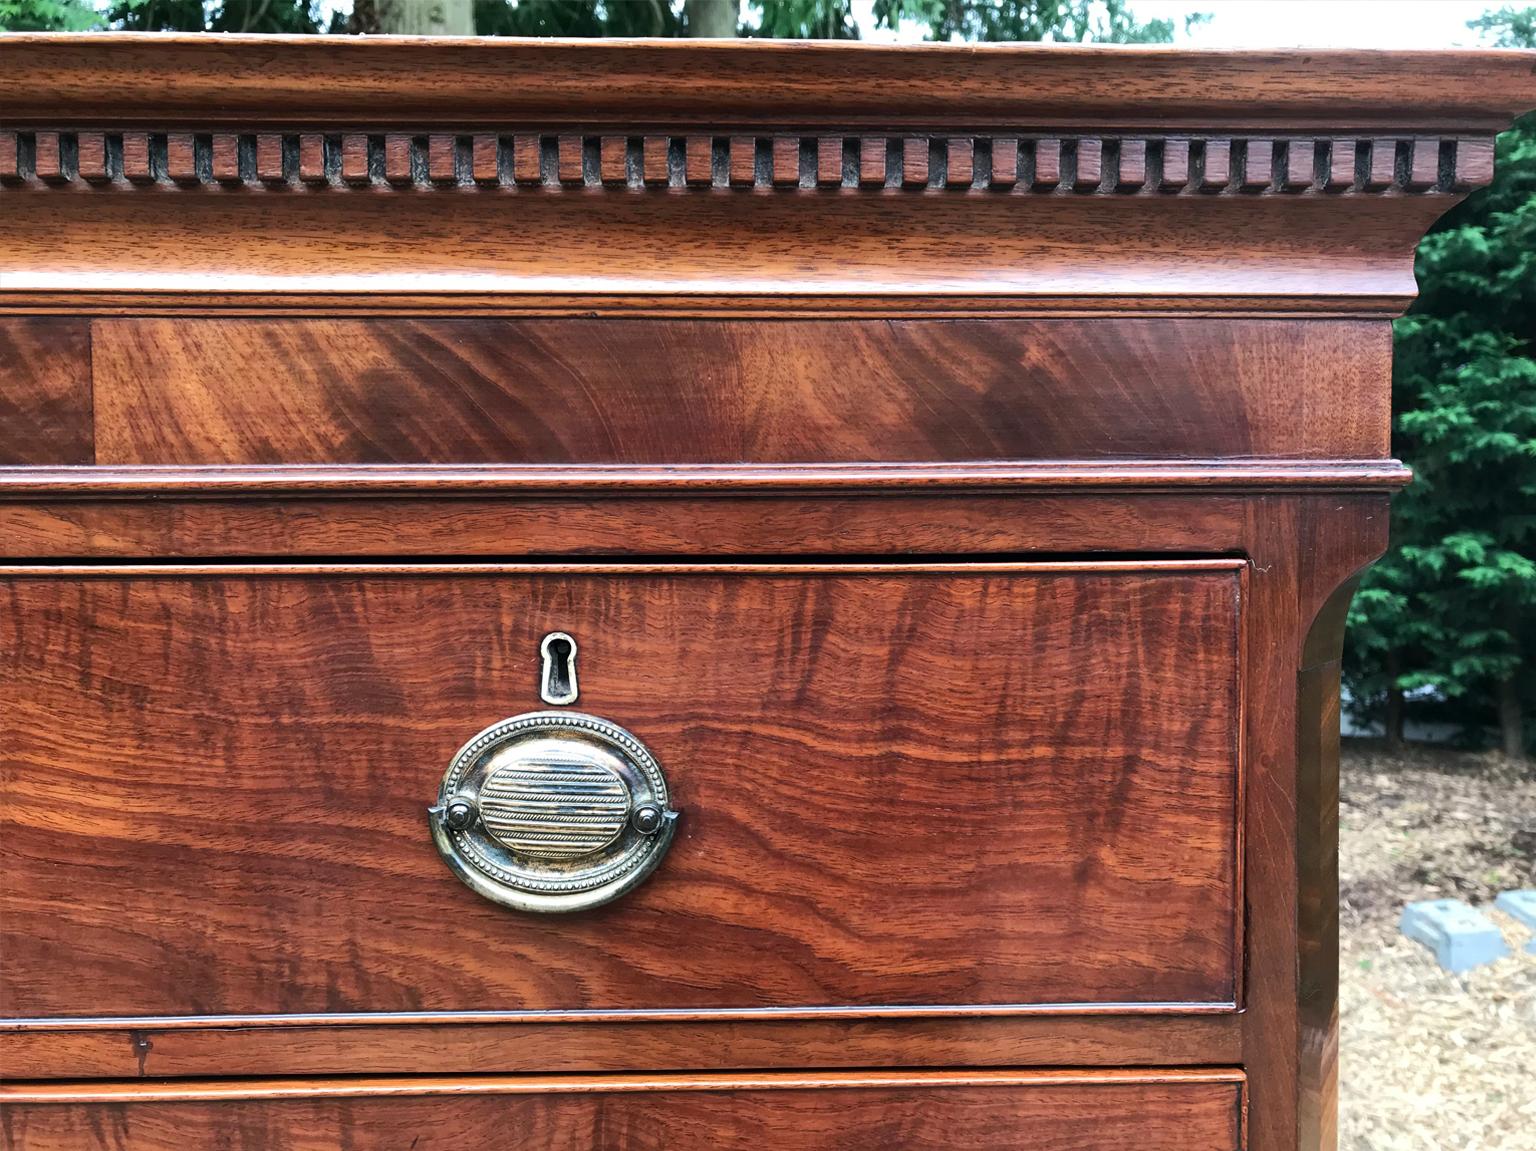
1132	565
699	479
600	1017
268	1089
1088	1042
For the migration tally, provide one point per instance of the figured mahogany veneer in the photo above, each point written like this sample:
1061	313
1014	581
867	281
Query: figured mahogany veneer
200	392
945	787
45	403
955	463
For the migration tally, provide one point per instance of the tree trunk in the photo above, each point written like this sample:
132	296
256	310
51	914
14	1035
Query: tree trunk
1394	717
416	17
1394	724
717	18
1511	722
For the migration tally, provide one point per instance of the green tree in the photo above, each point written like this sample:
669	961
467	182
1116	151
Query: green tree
1073	21
1105	21
48	16
1512	27
1108	21
1452	606
292	16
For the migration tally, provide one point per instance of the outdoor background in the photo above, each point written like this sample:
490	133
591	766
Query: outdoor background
1438	784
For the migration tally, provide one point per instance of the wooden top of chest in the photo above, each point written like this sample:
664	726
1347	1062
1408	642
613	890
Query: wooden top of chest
447	82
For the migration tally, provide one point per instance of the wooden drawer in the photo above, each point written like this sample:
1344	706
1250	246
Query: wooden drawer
637	392
961	788
973	1111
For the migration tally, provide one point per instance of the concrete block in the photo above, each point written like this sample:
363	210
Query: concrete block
1460	936
1520	905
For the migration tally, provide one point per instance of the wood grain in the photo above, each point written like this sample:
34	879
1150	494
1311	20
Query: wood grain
564	391
201	1047
428	193
977	1111
406	304
626	481
427	301
1296	606
193	524
756	251
45	392
480	161
891	781
298	80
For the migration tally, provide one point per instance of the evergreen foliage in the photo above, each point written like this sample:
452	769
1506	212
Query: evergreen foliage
48	16
1450	611
1104	21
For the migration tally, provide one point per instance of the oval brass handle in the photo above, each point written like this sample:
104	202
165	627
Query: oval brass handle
553	811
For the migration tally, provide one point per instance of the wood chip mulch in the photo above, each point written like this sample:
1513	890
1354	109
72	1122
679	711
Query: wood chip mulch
1432	1061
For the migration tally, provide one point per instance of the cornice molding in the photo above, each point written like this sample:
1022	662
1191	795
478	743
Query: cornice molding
1012	163
284	173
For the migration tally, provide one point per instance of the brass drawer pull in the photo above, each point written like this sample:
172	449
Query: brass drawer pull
553	810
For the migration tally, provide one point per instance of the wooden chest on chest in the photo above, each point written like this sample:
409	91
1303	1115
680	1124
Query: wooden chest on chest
650	595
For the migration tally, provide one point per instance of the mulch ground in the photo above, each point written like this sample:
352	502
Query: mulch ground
1432	1061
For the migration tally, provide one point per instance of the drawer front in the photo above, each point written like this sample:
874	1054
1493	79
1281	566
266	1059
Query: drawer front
953	787
1008	1111
600	391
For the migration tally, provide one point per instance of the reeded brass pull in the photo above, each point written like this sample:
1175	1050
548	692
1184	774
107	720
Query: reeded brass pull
553	811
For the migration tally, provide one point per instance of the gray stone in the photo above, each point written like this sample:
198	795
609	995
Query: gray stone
1460	936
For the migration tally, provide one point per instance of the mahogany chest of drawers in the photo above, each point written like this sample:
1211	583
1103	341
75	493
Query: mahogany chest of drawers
643	595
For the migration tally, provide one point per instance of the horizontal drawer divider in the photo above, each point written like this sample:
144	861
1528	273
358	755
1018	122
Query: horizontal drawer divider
906	566
305	1088
693	479
641	1015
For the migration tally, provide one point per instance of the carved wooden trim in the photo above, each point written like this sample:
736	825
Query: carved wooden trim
1015	164
651	178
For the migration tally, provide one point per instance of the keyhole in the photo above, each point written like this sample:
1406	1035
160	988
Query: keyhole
558	682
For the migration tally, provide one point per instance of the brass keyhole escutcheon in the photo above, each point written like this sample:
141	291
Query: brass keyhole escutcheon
553	810
557	680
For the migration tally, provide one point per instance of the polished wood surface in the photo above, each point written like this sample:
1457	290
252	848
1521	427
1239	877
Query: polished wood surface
533	480
640	392
45	392
302	80
405	1045
890	777
717	252
191	526
1016	165
978	1111
742	313
733	179
349	523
